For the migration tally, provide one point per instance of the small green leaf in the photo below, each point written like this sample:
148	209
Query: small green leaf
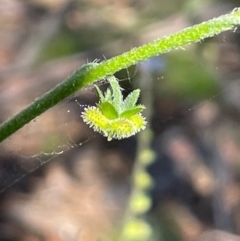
130	112
131	99
108	110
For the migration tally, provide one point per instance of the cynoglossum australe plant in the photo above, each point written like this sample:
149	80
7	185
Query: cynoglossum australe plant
92	72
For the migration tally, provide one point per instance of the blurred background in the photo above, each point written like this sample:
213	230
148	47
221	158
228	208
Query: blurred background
61	181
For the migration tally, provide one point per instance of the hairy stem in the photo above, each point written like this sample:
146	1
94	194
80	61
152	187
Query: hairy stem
93	72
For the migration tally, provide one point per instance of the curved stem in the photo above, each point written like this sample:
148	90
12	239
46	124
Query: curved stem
48	100
93	72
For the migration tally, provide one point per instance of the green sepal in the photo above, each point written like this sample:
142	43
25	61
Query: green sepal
130	112
131	99
108	95
116	93
100	94
108	110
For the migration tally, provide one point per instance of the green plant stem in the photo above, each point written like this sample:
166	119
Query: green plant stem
49	99
93	72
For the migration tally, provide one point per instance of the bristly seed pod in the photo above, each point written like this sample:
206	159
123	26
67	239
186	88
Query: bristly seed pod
114	117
